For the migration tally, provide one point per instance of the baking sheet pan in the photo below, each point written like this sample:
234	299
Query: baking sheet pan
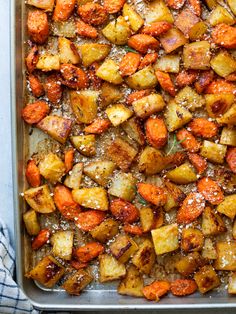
96	297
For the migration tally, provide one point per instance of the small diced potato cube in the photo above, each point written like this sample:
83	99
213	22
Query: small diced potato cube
100	171
146	218
232	5
187	97
148	105
226	256
213	152
134	19
117	31
165	239
31	222
109	94
123	185
209	251
46	5
228	206
223	64
220	15
85	144
168	64
110	269
52	168
183	174
174	196
121	153
64	28
176	116
197	55
151	161
48	63
77	282
132	284
118	114
109	71
192	240
206	279
40	199
172	40
67	51
197	31
106	230
84	105
123	248
212	223
95	198
142	79
57	127
158	11
47	272
188	264
62	244
229	117
185	20
74	177
218	104
144	258
133	130
232	283
93	52
228	136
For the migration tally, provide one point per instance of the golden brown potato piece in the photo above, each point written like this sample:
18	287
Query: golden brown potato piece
206	279
165	239
192	240
187	265
85	144
226	256
132	284
110	269
77	282
212	223
197	55
106	230
52	168
172	40
31	222
40	199
46	5
144	258
93	52
123	248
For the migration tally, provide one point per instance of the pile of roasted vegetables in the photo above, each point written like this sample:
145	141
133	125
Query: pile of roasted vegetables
138	168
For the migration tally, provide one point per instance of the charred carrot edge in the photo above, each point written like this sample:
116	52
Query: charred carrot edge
38	26
40	239
93	13
142	43
173	4
224	35
156	28
199	163
157	289
78	265
165	81
32	59
203	128
35	112
148	59
98	126
204	79
32	174
185	78
89	219
137	95
86	30
36	86
210	190
156	132
133	229
95	81
89	251
182	287
53	88
188	141
113	6
195	6
124	210
231	159
73	77
220	86
69	159
152	193
129	63
63	10
192	207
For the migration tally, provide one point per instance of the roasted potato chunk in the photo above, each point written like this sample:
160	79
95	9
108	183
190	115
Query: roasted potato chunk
213	152
232	283
212	223
147	218
118	114
158	11
40	199
218	104
206	279
67	51
172	40
226	256
46	5
187	97
223	64
64	28
31	222
123	248
77	282
183	174
151	161
134	19
132	284
110	269
208	250
123	185
85	144
117	31
176	116
106	230
220	15
197	55
93	52
165	239
100	171
229	117
109	94
169	63
142	79
228	206
48	63
175	196
192	240
133	130
148	105
52	168
95	198
144	258
74	177
62	244
228	136
189	264
109	71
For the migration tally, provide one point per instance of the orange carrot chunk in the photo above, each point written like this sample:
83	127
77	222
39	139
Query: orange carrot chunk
142	43
188	141
220	86
93	13
53	88
152	193
133	229
95	81
185	78
231	159
199	163
36	86
203	128
40	239
156	290
191	209
73	77
165	81
63	10
98	126
129	63
182	287
113	6
33	174
86	30
35	112
195	6
89	219
38	27
175	4
137	95
124	211
224	35
210	190
157	28
32	59
68	159
156	132
78	265
89	251
148	59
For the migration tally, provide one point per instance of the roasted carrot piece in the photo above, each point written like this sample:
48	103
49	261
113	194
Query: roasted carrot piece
204	79
113	6
133	229
231	159
35	85
78	265
93	13
35	112
63	10
148	59
231	77
94	80
165	81
195	6
181	287
38	27
203	127
156	28
98	126
129	63
64	202
137	95
32	59
199	163
86	30
89	219
155	290
32	174
175	159
53	88
185	77
152	193
188	141
156	132
142	43
191	209
224	35
220	86
210	190
173	4
40	239
73	76
68	159
89	251
124	211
